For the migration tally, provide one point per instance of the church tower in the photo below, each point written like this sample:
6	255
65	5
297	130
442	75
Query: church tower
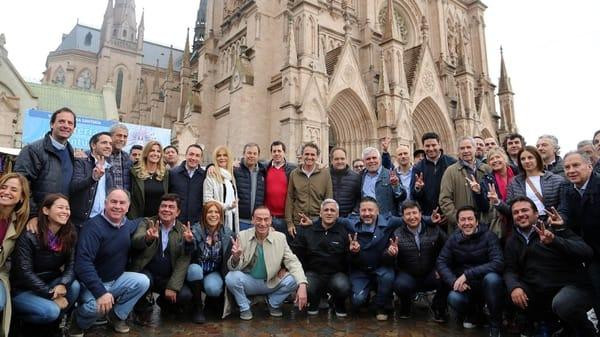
121	52
505	97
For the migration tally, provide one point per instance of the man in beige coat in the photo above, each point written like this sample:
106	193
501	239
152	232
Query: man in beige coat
255	267
460	184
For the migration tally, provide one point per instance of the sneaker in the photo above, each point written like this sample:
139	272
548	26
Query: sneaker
312	311
117	324
440	316
469	325
246	315
275	312
381	315
340	310
494	332
74	329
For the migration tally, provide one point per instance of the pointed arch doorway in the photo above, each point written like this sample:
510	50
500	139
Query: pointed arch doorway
428	117
350	124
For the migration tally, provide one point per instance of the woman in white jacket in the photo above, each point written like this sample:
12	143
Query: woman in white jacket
220	186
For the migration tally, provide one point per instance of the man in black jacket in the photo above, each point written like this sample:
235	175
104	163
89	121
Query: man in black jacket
545	273
187	180
416	246
250	182
428	173
581	198
48	163
346	183
470	264
323	250
93	177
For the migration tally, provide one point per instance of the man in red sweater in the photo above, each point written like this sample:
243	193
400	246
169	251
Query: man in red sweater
276	183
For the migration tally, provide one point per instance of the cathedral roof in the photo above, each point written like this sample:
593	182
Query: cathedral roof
76	40
411	60
83	102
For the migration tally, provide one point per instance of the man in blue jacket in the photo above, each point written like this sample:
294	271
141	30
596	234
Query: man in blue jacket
470	263
187	180
369	237
92	178
250	183
381	184
102	255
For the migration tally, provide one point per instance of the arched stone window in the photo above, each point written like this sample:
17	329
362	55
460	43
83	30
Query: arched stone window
119	91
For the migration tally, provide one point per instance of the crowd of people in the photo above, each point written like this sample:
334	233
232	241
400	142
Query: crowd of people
507	237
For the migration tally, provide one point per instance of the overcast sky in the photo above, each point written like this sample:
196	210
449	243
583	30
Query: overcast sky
551	49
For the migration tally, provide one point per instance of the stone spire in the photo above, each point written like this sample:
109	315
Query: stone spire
291	57
140	32
124	19
200	29
186	51
107	23
170	66
391	30
504	85
384	85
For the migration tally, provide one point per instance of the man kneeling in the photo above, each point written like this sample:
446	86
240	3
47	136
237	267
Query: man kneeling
255	267
162	247
102	254
545	273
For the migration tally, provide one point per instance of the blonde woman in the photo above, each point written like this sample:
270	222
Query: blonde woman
495	187
220	186
149	181
14	212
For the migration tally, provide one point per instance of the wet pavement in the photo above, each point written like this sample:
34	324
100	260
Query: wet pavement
293	324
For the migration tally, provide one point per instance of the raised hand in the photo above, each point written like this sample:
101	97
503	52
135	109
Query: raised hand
419	182
554	217
188	235
385	143
394	180
152	231
236	248
436	217
393	247
546	236
304	220
492	194
473	184
98	170
354	245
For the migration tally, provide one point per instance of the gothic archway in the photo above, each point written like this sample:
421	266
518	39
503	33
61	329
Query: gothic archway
350	125
428	117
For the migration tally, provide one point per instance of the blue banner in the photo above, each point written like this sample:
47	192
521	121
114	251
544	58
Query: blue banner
37	123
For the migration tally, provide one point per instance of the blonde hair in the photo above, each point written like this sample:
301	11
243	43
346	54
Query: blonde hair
141	168
21	210
229	167
497	152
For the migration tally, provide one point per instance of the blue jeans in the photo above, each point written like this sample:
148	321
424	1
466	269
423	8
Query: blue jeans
212	283
2	296
490	290
241	284
35	309
126	290
363	282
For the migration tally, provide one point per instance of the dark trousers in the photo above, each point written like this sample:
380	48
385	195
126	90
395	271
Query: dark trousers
362	282
159	285
406	286
594	271
490	290
338	285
